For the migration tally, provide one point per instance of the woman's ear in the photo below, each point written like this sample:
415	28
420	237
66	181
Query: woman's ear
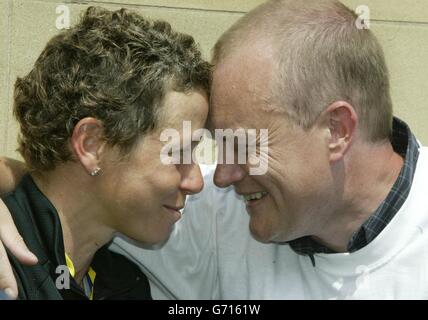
342	122
88	143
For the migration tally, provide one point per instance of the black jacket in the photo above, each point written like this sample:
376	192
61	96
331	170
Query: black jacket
38	223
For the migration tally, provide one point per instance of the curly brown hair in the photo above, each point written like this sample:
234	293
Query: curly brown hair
113	66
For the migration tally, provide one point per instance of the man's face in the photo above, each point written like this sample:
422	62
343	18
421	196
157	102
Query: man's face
297	184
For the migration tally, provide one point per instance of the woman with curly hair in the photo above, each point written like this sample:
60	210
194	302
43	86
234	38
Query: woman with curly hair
90	113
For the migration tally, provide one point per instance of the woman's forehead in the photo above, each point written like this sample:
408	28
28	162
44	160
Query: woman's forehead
178	107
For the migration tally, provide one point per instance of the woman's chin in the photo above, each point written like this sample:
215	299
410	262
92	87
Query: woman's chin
149	241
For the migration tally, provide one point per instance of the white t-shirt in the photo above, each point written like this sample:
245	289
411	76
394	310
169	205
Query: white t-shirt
211	255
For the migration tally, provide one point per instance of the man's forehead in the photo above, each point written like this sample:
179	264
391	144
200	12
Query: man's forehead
246	72
249	90
238	116
241	88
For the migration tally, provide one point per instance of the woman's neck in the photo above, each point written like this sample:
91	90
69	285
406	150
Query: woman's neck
84	228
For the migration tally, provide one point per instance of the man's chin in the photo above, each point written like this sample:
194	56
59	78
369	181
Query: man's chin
260	234
265	233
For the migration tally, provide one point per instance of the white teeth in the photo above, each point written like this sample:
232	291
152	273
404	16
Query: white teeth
255	196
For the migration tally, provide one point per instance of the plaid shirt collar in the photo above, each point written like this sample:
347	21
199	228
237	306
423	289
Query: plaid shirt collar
405	144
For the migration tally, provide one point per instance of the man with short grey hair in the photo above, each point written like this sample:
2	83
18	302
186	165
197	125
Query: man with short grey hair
342	210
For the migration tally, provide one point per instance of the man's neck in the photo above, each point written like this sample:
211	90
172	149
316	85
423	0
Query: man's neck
84	229
370	174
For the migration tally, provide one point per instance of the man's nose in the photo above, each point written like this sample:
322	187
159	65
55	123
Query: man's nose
228	174
192	181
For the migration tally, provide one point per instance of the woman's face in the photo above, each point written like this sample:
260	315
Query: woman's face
141	195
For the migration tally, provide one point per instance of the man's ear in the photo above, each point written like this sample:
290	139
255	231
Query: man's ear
87	143
342	123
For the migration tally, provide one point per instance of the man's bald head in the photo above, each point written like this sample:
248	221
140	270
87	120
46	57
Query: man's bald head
319	56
